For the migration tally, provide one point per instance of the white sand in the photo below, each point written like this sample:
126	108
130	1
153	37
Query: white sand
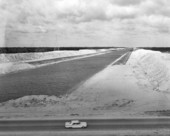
32	101
152	69
15	62
117	91
25	57
13	67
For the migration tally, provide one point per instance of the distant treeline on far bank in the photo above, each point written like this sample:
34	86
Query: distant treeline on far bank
47	49
161	49
43	49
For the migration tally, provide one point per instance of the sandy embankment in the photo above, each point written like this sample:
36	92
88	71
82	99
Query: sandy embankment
133	89
143	84
15	62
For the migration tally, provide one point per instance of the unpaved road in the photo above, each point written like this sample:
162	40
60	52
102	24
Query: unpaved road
56	79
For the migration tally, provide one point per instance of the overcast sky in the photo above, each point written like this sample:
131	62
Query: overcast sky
93	22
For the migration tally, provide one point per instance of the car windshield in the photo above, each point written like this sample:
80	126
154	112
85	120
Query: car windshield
85	59
77	123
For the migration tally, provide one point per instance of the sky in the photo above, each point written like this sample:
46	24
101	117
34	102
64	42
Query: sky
127	23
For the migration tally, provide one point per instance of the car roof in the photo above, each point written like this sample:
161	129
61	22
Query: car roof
75	121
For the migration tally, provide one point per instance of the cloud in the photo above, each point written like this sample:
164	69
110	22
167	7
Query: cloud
126	2
159	22
91	18
89	10
73	11
86	10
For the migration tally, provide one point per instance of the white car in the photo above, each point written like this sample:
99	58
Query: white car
75	124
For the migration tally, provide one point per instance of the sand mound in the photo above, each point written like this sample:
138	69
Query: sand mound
41	56
15	62
151	68
120	90
32	101
13	67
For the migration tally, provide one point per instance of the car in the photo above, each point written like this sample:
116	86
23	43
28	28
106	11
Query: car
75	124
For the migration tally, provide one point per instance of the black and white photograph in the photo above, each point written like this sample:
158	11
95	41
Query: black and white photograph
84	67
